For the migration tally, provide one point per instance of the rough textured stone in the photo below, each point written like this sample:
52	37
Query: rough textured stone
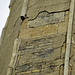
63	50
62	27
38	31
41	29
36	6
45	18
43	38
59	43
40	55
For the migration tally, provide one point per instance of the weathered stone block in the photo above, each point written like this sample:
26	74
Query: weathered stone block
61	69
39	56
45	18
38	31
63	50
58	17
58	41
48	5
62	27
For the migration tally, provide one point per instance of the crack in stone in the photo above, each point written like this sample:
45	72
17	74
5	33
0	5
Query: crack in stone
64	43
48	13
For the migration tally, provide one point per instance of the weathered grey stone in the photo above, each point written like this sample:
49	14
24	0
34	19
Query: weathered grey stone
11	4
37	53
58	17
46	18
59	43
63	50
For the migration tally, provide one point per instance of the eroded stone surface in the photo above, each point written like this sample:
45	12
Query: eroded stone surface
43	38
36	6
45	18
41	56
41	45
38	31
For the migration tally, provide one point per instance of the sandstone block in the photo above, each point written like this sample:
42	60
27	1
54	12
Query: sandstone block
46	18
38	31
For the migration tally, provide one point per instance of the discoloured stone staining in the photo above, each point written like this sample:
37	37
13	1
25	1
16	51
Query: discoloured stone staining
45	12
45	18
43	38
41	56
40	30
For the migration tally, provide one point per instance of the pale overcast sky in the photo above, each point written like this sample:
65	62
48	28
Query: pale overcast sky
4	12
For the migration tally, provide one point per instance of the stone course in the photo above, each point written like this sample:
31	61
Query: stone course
43	35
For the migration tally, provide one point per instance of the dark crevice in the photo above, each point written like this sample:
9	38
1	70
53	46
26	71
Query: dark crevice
48	13
73	33
63	45
22	18
61	52
65	37
71	57
60	68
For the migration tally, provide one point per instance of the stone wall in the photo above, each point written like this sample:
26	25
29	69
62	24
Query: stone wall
43	44
43	35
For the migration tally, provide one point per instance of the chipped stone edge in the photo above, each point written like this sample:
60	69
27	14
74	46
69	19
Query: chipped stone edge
24	9
2	36
14	56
